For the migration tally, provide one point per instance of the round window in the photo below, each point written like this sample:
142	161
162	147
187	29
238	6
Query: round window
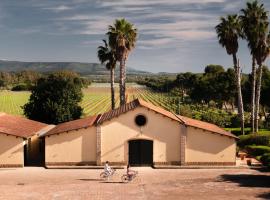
140	120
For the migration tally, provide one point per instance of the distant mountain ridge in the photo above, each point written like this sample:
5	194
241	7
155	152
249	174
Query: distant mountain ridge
45	67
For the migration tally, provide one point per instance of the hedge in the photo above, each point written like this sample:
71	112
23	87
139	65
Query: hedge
257	150
265	159
254	139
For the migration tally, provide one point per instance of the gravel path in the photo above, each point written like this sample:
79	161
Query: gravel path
205	184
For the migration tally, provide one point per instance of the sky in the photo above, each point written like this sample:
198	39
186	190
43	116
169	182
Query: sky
173	35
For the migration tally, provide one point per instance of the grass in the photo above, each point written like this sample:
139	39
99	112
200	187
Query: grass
96	99
237	131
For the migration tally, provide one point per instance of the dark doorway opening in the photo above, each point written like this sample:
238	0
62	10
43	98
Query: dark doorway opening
141	153
34	152
25	154
42	151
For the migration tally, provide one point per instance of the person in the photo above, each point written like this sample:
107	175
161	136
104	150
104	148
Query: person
130	172
107	168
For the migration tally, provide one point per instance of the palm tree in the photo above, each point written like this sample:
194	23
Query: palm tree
228	32
122	38
254	22
262	52
107	56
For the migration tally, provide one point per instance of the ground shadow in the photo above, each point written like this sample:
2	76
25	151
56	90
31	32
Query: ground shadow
90	179
264	196
263	169
113	182
248	180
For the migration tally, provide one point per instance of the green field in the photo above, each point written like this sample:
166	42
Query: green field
96	99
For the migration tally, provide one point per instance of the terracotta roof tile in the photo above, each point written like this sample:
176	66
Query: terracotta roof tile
132	105
19	126
159	110
90	121
185	120
72	125
205	126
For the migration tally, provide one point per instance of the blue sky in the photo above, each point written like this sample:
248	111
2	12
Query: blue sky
174	35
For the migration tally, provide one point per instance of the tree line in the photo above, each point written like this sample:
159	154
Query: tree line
252	25
10	79
25	80
215	88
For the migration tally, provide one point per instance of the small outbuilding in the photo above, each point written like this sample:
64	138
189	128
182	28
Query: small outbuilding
139	133
19	141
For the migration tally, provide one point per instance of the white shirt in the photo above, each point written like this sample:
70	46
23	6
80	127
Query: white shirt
107	168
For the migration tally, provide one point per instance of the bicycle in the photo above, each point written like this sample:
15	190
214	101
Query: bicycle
106	175
127	178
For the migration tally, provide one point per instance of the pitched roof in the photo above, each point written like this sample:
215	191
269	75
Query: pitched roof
132	105
93	120
72	125
205	126
19	126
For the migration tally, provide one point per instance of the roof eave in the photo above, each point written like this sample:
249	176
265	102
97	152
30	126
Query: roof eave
231	136
14	135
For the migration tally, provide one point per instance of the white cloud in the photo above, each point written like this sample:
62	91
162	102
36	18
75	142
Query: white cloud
154	43
59	8
153	2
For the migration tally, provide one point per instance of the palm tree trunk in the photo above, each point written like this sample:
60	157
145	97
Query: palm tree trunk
258	95
253	88
112	88
122	82
239	93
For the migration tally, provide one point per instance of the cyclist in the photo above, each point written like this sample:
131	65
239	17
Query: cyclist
130	172
107	168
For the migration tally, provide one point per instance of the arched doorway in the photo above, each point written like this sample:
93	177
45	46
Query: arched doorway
140	152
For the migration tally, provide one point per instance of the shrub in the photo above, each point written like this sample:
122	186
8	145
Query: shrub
236	122
267	122
265	159
219	118
257	150
21	87
254	139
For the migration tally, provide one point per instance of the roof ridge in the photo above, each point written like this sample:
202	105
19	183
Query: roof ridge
46	129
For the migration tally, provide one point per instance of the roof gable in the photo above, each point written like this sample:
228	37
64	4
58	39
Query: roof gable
131	106
181	119
97	120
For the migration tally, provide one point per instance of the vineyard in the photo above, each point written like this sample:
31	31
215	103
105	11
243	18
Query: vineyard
96	99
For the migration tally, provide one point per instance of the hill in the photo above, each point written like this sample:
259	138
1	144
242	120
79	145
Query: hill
45	67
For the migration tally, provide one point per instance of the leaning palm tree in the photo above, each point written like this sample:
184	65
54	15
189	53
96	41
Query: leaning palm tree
253	18
228	32
107	56
122	38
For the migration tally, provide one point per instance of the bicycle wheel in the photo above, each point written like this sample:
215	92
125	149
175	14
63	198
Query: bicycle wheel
125	178
103	175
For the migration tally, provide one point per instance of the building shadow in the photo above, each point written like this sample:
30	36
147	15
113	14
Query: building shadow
248	180
264	196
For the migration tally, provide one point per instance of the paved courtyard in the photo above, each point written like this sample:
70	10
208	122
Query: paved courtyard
39	183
